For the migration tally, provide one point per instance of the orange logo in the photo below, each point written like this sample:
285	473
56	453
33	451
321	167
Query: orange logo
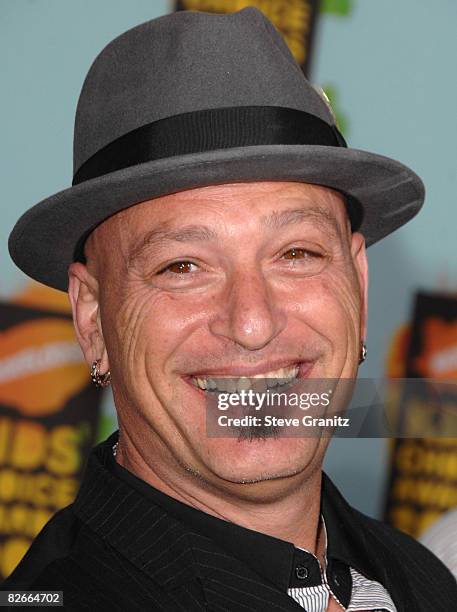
439	353
41	366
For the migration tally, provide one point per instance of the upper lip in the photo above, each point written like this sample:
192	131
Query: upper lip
246	370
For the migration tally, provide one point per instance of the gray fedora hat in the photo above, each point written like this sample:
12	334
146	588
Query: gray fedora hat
194	99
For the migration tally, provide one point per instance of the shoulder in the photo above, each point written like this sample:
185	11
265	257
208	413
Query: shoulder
378	537
68	556
57	557
400	543
424	572
54	541
410	572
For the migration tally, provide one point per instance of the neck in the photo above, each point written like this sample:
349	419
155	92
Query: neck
291	515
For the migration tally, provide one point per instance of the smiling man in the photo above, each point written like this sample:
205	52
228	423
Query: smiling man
213	241
219	282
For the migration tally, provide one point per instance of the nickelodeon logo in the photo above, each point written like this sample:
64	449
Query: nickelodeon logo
41	366
439	353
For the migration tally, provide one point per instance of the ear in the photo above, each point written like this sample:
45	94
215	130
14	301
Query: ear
359	257
83	293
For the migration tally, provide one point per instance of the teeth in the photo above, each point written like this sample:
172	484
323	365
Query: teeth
258	382
201	382
230	385
272	382
244	384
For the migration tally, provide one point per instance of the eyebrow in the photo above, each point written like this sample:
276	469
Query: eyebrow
163	235
320	216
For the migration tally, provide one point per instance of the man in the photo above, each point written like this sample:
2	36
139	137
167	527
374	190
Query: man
441	539
214	235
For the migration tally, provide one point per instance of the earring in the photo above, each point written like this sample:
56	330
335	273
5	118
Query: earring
363	352
99	380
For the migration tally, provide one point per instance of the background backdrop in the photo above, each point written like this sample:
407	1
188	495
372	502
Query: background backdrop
391	69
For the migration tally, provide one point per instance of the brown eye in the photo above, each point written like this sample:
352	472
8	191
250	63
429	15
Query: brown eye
179	267
304	262
295	253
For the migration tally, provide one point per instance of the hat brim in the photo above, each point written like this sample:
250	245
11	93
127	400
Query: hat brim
44	240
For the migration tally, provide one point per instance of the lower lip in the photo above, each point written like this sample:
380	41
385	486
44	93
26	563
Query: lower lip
304	371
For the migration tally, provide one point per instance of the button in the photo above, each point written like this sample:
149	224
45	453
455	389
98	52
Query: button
301	572
335	579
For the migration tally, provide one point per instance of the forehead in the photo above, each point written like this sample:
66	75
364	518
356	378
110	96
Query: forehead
265	203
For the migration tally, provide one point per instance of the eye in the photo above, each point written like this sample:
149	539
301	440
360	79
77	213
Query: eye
304	261
179	267
296	253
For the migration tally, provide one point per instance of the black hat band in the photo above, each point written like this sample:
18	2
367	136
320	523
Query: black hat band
209	130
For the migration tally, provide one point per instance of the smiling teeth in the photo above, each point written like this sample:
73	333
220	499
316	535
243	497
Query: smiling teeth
259	382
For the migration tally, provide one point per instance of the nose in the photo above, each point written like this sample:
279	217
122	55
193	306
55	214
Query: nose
248	313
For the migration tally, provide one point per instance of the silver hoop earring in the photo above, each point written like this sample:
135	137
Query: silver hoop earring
363	352
99	380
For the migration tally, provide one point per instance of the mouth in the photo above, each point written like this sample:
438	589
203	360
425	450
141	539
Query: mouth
260	381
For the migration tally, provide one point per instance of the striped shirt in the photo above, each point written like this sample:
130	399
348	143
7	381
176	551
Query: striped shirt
365	594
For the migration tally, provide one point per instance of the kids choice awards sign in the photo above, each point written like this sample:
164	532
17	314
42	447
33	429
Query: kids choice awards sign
423	481
48	417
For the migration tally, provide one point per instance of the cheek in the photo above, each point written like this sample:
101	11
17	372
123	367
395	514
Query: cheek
329	304
150	326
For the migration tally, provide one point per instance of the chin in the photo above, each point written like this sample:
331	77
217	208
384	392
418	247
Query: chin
249	461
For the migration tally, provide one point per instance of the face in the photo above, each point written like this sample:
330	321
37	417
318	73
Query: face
223	281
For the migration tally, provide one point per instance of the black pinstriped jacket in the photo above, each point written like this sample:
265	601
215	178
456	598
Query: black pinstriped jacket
114	549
